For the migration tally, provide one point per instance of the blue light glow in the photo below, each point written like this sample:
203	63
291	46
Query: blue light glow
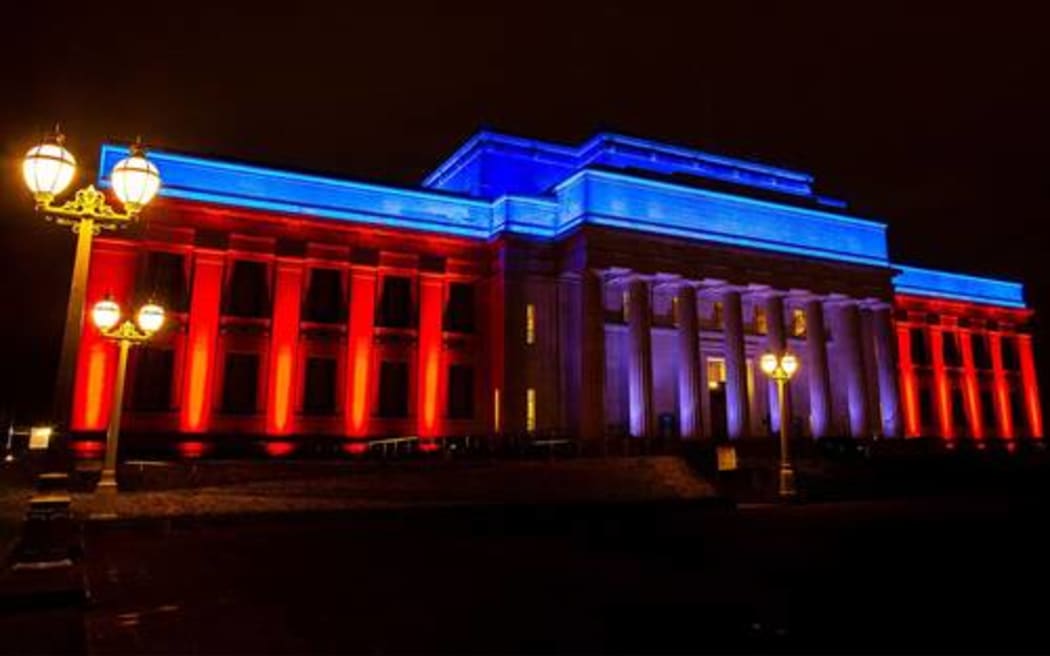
490	165
956	286
599	197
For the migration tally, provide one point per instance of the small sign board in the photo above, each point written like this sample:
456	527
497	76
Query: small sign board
726	458
39	437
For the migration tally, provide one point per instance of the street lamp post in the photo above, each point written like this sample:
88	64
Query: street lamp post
47	170
781	368
106	315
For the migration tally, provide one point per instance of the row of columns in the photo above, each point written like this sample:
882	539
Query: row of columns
863	335
970	384
112	272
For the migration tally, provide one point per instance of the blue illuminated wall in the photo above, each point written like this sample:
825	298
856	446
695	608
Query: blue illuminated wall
490	165
543	193
955	286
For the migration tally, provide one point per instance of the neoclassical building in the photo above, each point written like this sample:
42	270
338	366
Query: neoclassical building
617	287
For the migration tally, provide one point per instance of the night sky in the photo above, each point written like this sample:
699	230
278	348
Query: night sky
934	120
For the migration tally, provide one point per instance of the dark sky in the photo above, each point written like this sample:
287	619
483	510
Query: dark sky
934	119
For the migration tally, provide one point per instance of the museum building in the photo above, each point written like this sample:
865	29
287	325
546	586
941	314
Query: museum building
620	287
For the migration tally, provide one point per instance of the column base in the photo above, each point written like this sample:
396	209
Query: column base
787	489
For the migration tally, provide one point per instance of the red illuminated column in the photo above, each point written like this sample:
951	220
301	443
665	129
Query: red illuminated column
1002	391
940	383
111	274
284	346
359	350
429	380
198	374
1031	385
973	402
909	384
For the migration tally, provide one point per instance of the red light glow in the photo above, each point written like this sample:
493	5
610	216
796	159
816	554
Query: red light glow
203	331
362	313
284	340
430	348
279	449
192	449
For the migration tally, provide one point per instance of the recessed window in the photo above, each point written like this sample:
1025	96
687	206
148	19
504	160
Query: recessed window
1010	359
459	313
761	321
319	386
716	372
163	280
798	322
951	350
530	409
530	324
393	390
920	352
153	379
718	314
324	297
248	294
982	359
240	384
395	303
460	392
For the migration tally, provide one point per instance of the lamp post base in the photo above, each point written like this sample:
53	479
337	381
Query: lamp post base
787	489
107	483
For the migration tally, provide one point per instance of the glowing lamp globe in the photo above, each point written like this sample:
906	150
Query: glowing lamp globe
789	363
150	318
135	180
768	363
48	169
105	314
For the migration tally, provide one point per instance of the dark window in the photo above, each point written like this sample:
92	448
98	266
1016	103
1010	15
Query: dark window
393	389
1017	410
951	350
395	304
988	419
926	417
163	281
920	352
459	314
982	359
959	409
248	294
319	392
460	392
153	379
240	384
324	297
1010	360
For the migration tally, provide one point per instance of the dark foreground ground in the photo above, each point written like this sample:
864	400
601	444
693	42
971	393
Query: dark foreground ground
936	574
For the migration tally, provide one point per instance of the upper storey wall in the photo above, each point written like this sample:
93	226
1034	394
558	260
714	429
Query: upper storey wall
490	165
588	196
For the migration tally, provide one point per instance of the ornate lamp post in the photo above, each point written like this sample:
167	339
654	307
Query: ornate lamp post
781	368
106	316
48	169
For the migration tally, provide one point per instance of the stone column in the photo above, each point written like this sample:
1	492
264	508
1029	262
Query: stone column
736	365
847	335
284	346
886	365
942	391
816	368
689	413
640	362
776	343
868	358
1033	409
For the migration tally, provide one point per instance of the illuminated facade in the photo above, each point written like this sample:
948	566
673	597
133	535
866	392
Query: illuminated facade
620	287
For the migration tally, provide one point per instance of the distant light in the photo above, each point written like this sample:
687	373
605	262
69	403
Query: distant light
150	317
135	180
105	314
48	169
39	437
